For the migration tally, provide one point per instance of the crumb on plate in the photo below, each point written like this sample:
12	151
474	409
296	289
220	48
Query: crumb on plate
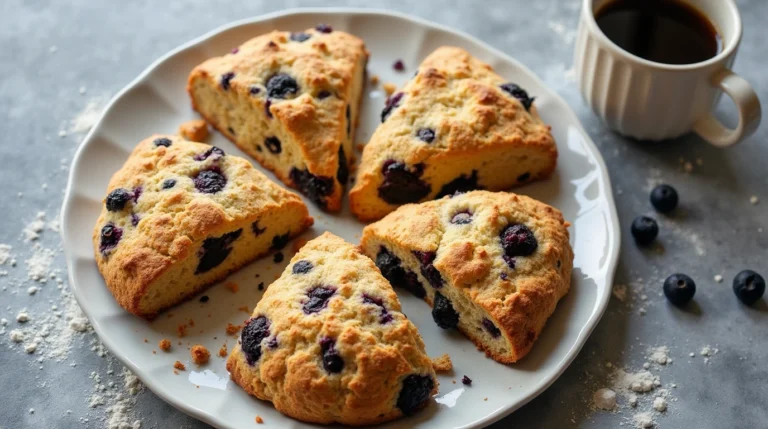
389	88
442	363
195	130
180	366
200	354
165	345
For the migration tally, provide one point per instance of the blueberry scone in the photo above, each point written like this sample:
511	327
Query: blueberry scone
328	343
180	215
492	264
456	126
290	100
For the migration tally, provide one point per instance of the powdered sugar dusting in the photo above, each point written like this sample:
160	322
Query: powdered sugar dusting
88	117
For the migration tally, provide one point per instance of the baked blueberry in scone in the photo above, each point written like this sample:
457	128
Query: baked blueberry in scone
491	264
179	216
328	342
290	100
455	126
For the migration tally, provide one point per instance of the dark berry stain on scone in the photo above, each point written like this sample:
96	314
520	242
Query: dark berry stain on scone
254	90
254	332
110	236
519	93
392	102
210	181
491	328
426	135
518	240
443	313
281	86
256	230
510	260
302	267
324	28
300	37
137	191
460	184
162	141
401	186
503	275
226	80
169	183
523	177
279	241
415	393
117	199
318	299
314	187
462	218
332	362
349	121
215	250
231	130
385	317
235	50
213	153
342	172
267	105
135	219
273	144
272	344
322	95
428	270
412	284
390	268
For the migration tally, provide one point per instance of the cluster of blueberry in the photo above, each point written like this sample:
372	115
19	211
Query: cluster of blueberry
679	289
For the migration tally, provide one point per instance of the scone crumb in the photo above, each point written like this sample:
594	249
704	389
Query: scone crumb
233	329
180	366
182	330
259	420
223	351
195	130
165	345
244	309
390	88
442	363
232	286
298	244
360	146
374	79
200	354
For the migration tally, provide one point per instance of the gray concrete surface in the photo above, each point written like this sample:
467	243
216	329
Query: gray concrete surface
103	45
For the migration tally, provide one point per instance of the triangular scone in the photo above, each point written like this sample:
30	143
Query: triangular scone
456	126
290	100
327	342
180	215
492	264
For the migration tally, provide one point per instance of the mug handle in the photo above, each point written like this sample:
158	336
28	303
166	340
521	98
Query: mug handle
712	130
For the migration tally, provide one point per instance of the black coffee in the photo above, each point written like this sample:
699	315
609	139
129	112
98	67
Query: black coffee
663	31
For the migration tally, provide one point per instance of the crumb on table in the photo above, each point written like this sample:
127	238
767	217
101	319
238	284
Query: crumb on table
195	130
232	286
165	345
244	309
259	420
200	354
389	88
442	363
180	366
374	79
233	329
223	350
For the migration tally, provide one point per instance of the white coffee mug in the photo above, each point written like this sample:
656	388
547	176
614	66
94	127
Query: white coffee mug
654	101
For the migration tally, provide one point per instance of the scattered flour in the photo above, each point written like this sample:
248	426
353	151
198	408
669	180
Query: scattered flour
5	254
620	292
660	404
38	265
86	119
117	398
33	229
604	399
659	355
718	278
643	420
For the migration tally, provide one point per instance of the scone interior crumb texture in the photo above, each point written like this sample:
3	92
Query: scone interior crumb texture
180	215
456	126
493	265
291	101
328	342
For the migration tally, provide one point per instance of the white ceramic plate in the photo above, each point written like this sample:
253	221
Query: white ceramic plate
156	102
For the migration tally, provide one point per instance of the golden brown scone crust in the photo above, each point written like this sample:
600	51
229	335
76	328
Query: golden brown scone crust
312	124
481	133
163	226
469	258
379	346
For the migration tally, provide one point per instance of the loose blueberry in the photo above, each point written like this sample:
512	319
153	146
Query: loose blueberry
415	393
300	37
210	181
254	90
281	86
117	199
679	289
332	362
279	241
278	257
518	240
491	328
443	313
213	152
318	299
426	135
428	270
254	332
462	218
162	141
302	267
748	286
524	177
273	144
323	94
260	286
342	172
324	28
644	230
399	65
226	78
204	298
519	93
392	102
401	186
110	236
215	250
314	187
385	317
466	381
664	198
460	184
169	183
